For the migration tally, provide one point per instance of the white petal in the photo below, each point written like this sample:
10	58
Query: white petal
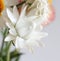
24	27
23	32
19	43
9	25
12	31
39	27
34	39
9	38
43	34
31	43
23	11
39	20
31	18
15	12
35	35
32	12
11	16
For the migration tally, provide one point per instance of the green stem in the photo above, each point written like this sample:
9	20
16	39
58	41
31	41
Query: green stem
8	56
13	55
1	59
4	35
2	46
17	59
8	52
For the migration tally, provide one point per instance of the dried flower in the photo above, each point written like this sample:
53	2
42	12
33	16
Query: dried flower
43	10
23	32
2	6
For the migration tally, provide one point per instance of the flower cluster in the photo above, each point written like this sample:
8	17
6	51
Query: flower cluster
25	28
22	30
43	9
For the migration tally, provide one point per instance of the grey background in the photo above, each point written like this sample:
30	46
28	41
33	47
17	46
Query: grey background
51	52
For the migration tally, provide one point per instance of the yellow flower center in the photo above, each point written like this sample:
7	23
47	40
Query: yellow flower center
2	6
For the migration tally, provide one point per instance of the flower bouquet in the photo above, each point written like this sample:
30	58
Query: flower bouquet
22	23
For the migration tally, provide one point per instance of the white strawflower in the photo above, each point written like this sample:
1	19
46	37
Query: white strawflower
41	9
23	32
